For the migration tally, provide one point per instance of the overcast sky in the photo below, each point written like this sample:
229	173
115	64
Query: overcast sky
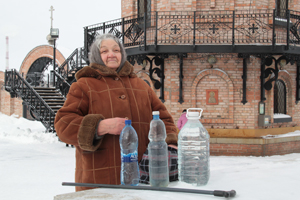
27	23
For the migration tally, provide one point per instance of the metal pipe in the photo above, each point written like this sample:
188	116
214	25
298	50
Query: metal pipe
219	193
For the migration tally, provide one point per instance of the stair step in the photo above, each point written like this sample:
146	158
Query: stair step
56	105
49	93
53	97
44	88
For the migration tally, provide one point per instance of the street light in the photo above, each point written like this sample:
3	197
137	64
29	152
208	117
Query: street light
54	34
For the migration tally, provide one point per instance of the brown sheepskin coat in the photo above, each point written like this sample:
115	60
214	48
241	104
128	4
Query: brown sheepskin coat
98	94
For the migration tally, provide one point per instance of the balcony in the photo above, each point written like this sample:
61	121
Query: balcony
237	31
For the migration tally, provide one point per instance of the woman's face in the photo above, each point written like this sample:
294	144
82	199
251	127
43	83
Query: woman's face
110	53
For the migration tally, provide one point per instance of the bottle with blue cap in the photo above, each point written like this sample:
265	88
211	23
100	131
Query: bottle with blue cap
158	153
193	150
129	156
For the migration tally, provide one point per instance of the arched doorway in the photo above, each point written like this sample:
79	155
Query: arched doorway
36	68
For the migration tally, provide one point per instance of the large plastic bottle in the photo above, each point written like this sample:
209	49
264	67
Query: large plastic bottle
129	156
158	153
193	150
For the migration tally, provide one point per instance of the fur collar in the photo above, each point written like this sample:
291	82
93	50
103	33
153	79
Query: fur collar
97	71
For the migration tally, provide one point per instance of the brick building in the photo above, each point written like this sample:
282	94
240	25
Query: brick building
234	75
241	54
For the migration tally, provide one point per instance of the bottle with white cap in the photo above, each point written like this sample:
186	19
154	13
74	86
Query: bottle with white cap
129	155
158	153
193	150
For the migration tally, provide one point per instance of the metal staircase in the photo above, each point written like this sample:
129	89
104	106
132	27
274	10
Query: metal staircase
43	100
51	96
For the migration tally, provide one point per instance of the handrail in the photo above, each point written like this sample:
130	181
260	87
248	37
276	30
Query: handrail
71	63
18	86
61	84
221	27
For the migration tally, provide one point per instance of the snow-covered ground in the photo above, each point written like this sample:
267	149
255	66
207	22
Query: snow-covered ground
33	164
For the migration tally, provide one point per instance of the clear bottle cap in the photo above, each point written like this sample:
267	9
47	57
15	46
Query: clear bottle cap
155	113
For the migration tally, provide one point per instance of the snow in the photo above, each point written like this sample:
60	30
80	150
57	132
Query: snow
279	115
33	164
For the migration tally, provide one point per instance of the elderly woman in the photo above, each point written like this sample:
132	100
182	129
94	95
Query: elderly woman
107	92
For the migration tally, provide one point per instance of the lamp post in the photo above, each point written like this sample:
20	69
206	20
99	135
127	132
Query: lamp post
54	34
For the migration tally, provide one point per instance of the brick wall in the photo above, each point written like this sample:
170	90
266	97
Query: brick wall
129	7
255	147
9	105
225	76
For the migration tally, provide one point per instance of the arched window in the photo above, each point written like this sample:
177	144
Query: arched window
279	97
144	6
281	7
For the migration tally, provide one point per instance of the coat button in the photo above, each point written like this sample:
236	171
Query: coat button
123	97
117	78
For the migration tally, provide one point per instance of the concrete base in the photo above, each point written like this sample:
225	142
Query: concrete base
122	194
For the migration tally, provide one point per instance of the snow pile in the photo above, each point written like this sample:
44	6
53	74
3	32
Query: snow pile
279	115
24	130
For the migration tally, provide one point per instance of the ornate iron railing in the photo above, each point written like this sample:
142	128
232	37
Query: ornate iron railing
71	65
65	73
64	76
16	85
250	27
62	84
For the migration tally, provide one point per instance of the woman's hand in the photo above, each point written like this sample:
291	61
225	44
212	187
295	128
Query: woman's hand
111	126
173	145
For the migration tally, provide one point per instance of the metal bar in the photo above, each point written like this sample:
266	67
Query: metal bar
13	80
54	60
123	38
244	77
77	61
288	30
194	31
24	110
220	193
262	79
273	32
233	24
35	79
162	80
86	48
145	30
180	78
156	21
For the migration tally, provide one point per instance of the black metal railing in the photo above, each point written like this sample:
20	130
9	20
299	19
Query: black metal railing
64	76
71	65
38	79
17	86
65	73
61	83
234	27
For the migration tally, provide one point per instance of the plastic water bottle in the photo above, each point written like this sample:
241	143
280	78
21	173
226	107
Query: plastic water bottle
193	151
129	156
158	153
